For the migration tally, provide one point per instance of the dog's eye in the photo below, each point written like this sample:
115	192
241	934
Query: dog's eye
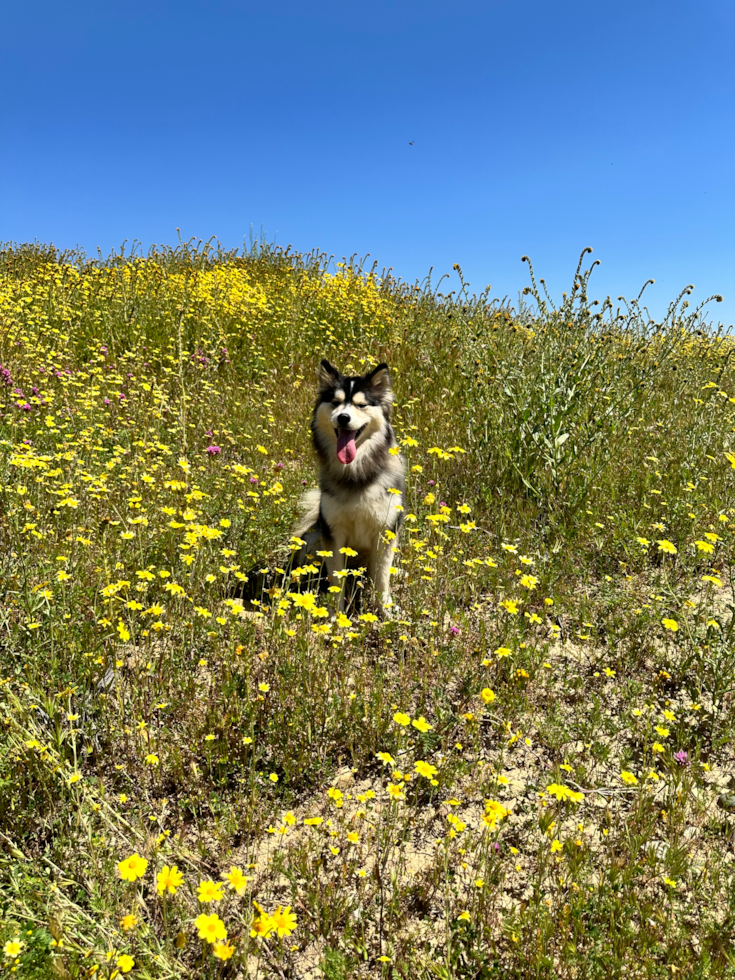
336	403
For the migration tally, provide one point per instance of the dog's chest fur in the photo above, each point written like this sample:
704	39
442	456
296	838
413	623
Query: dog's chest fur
360	519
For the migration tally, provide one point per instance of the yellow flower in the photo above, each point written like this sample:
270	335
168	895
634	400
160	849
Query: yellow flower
494	811
283	921
238	882
395	790
313	821
562	792
210	927
304	600
223	951
262	925
670	624
628	777
132	868
129	922
663	732
12	949
502	652
556	845
401	719
487	695
125	963
426	769
421	724
666	546
510	606
210	891
168	879
386	758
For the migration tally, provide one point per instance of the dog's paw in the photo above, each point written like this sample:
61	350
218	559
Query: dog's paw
390	610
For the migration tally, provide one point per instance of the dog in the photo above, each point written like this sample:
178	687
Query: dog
362	483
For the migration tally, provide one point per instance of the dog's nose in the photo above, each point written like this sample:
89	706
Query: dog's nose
343	420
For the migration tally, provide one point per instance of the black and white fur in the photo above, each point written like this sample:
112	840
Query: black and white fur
353	507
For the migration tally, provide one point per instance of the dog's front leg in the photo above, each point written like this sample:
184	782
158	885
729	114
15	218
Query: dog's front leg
335	565
380	573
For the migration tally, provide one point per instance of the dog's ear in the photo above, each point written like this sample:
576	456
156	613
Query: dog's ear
326	375
379	380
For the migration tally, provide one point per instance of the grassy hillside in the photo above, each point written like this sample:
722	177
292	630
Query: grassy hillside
525	773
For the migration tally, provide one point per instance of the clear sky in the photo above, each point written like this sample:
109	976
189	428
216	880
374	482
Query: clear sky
422	133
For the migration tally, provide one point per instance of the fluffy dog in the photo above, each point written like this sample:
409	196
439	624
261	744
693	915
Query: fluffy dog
359	503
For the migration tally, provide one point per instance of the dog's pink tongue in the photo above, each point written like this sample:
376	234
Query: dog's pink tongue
346	448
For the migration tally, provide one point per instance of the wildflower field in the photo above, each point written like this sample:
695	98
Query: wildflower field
524	772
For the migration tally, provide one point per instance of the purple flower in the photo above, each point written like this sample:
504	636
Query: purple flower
213	450
431	483
5	377
254	479
107	401
682	758
454	630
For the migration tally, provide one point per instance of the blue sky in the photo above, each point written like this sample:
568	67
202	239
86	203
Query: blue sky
536	127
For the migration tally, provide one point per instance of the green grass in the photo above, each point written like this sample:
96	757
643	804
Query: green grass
567	547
